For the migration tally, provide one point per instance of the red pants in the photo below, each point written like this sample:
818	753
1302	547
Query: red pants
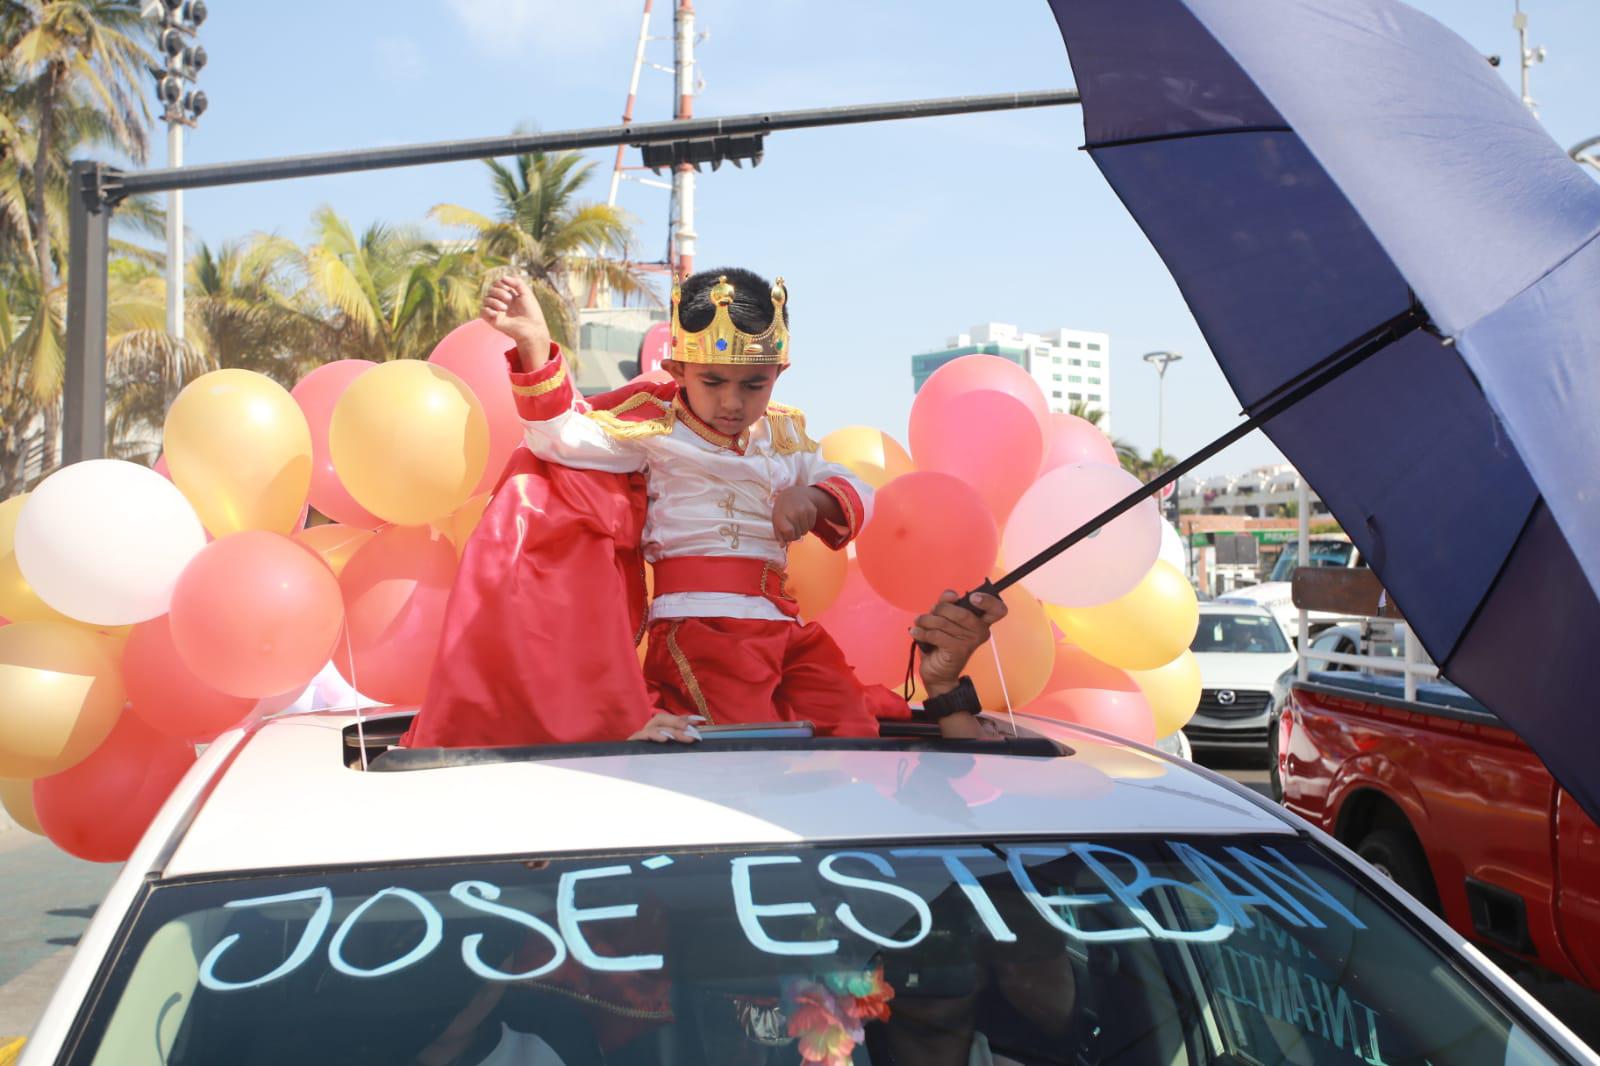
753	670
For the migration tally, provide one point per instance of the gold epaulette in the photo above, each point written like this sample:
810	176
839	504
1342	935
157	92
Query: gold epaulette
654	422
787	427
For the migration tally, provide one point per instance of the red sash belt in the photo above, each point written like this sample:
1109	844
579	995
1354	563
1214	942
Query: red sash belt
739	575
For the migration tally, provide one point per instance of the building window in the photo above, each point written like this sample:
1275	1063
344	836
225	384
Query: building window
1056	394
1093	347
1094	362
1074	395
1075	379
1075	362
1094	381
1074	344
1055	377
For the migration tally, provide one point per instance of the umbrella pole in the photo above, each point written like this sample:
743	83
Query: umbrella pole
1286	396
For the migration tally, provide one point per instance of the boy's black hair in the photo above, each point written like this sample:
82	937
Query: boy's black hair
752	300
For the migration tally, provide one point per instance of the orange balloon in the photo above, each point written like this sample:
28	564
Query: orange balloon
395	591
256	614
98	809
929	532
873	634
1076	668
60	694
460	523
816	574
334	543
1026	647
1123	714
164	692
870	454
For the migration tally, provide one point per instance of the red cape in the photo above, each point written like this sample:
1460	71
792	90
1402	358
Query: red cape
542	628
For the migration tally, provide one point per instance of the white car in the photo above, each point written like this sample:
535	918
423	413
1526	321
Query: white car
1057	898
1242	651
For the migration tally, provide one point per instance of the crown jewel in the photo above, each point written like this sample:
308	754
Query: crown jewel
722	341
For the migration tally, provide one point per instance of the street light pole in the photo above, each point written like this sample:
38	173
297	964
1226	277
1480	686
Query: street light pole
1529	56
1161	360
180	108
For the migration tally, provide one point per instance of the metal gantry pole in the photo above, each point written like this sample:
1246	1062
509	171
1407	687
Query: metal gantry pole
683	175
83	415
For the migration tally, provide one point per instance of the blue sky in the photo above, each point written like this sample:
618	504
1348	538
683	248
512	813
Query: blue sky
892	236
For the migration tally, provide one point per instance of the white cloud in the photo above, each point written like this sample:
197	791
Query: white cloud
568	28
399	58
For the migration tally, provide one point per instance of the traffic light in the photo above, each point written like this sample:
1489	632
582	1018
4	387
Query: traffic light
698	150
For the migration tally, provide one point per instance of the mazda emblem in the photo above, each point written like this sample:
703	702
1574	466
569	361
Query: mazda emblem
1226	697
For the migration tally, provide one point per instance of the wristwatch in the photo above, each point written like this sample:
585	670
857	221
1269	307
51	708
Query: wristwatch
961	699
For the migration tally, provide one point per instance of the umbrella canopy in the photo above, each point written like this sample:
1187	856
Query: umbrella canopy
1309	169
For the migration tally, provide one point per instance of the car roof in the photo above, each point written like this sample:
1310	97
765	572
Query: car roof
285	799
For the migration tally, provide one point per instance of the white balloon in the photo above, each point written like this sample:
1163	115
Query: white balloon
103	541
1172	549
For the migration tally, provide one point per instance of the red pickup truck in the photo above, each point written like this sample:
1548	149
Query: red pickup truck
1439	794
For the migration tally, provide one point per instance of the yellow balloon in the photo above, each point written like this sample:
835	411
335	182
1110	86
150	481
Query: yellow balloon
16	796
459	526
1027	652
60	694
410	441
238	447
1173	692
18	601
870	454
1149	626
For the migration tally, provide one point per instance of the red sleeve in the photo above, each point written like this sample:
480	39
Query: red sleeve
834	536
545	393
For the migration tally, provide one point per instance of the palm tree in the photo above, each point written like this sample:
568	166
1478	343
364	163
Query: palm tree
243	310
72	70
387	294
1081	409
541	230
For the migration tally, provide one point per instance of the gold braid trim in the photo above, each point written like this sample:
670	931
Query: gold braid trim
617	428
545	387
787	427
686	671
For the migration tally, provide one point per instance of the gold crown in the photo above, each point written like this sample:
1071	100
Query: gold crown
722	341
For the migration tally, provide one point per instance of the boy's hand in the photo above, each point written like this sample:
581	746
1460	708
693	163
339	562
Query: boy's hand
794	512
509	307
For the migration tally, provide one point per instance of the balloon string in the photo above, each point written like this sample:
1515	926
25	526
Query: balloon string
355	683
1005	693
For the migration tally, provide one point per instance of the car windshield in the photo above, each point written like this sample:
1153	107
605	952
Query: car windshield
1160	950
1323	553
1248	633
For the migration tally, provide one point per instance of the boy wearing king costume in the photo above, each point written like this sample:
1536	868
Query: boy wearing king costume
704	478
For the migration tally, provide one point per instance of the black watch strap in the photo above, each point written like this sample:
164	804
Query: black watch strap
962	698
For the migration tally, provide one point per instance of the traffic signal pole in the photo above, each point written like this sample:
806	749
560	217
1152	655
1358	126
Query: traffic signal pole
96	189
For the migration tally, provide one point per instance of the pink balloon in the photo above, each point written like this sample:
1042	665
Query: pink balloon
1072	440
395	588
929	532
987	439
317	393
255	614
985	373
872	633
160	466
1123	714
656	347
1102	567
98	809
166	693
476	352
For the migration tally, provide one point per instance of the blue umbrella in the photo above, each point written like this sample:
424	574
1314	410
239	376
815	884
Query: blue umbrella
1395	264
